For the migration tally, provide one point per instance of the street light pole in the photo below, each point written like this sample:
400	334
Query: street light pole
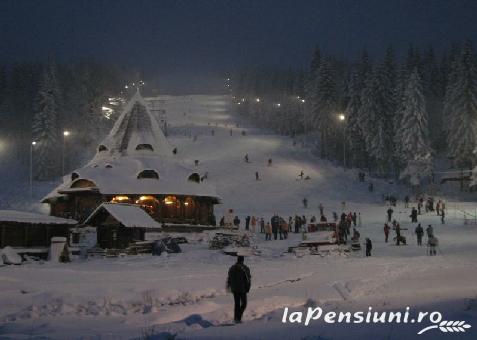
66	133
31	168
342	119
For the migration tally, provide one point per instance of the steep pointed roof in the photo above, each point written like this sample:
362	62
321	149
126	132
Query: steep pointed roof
135	158
136	132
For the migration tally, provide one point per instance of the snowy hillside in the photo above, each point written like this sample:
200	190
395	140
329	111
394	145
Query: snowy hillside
183	294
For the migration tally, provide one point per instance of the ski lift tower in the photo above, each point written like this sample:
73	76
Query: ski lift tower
157	106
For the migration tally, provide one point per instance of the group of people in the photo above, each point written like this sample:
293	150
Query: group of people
428	204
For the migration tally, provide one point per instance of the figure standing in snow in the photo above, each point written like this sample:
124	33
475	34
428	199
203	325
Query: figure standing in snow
302	173
432	243
239	282
275	222
429	231
269	162
257	177
369	246
247	223
253	223
419	232
371	187
246	158
320	206
354	218
398	234
406	201
413	215
305	203
443	215
262	225
438	207
236	222
390	214
268	231
386	232
297	224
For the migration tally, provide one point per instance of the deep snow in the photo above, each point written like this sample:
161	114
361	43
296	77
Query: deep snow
184	294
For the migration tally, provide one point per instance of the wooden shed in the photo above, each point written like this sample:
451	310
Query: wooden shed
120	224
31	231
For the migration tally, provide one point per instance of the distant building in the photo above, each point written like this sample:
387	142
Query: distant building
135	164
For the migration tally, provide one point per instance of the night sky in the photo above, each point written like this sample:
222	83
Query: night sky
187	42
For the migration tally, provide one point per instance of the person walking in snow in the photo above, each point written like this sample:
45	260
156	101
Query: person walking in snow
257	177
413	215
406	201
239	282
438	207
247	223
398	234
297	224
443	215
305	202
268	232
321	209
386	232
262	225
269	162
284	230
354	218
236	222
335	216
429	231
369	246
432	243
302	173
390	214
275	222
419	233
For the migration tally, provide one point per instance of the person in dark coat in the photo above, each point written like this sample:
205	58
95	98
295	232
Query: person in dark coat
262	225
275	222
247	222
386	232
443	215
236	222
369	246
297	224
354	219
239	282
390	214
414	215
419	233
305	202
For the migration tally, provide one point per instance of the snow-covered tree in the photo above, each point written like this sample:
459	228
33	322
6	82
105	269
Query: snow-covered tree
354	134
413	132
460	108
45	126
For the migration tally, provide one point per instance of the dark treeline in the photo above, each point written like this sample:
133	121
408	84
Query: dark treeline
391	116
38	101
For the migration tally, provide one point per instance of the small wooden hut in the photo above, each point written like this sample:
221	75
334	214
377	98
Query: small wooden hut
120	224
30	232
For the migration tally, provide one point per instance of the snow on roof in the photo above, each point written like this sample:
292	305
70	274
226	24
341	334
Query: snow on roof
28	217
129	215
115	170
136	126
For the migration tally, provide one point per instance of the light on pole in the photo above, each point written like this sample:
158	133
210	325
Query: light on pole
31	167
66	133
342	119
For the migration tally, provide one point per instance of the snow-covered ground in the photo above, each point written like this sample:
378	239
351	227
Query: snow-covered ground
184	294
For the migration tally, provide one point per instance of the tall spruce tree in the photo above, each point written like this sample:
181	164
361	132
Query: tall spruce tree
45	126
461	108
414	132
